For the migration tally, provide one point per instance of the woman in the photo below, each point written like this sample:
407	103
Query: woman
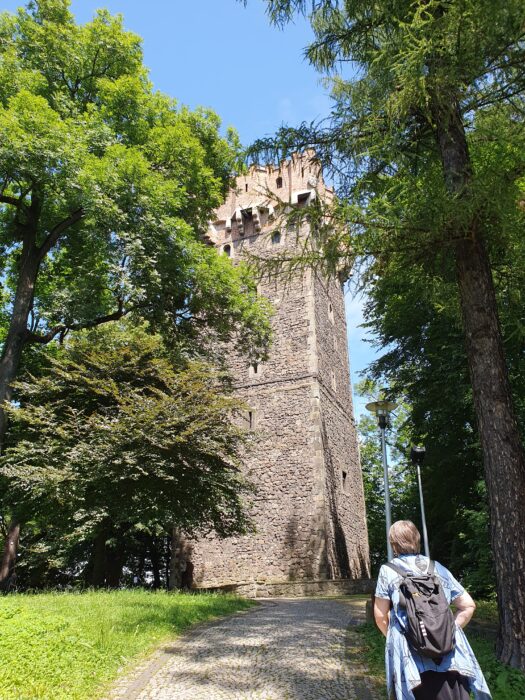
411	676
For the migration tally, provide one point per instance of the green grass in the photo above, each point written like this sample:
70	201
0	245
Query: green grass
69	646
505	683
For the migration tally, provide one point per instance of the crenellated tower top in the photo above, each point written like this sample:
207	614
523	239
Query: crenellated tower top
262	194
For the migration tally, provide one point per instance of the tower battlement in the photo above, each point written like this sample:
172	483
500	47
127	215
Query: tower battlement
308	508
260	196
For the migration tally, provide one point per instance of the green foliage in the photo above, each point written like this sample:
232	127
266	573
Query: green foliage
106	191
413	311
117	436
71	646
114	184
505	683
402	483
373	646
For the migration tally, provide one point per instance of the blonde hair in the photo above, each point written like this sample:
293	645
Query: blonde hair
404	537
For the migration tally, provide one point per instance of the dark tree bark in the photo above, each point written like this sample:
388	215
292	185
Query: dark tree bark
30	260
10	362
115	556
155	563
502	447
98	571
17	332
142	559
167	560
7	567
175	577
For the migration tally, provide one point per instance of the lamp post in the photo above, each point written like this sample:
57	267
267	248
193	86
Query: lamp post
382	410
417	455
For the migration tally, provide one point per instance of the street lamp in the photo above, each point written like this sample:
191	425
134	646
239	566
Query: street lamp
382	410
417	455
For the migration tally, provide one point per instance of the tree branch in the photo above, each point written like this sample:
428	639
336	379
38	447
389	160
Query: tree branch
58	230
6	199
63	328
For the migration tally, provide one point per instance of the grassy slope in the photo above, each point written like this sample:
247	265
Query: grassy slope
68	646
504	683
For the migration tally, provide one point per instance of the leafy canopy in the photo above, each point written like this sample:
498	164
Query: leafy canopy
116	184
117	431
391	67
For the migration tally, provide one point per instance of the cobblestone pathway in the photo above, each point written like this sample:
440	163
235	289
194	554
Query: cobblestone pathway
280	650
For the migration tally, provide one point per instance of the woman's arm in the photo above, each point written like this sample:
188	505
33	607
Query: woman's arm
465	607
382	613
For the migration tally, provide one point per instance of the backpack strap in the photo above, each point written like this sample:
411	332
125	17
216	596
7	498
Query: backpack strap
403	572
398	569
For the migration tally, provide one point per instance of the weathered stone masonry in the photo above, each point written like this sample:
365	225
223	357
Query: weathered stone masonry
309	507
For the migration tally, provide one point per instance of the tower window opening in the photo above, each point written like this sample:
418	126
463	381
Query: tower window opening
279	182
276	237
302	172
303	199
247	222
251	419
246	187
227	250
331	312
344	481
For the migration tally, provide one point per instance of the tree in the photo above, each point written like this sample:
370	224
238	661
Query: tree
413	312
426	139
106	189
120	437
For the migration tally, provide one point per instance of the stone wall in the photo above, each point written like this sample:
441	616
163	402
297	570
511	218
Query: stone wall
299	589
309	525
348	539
288	507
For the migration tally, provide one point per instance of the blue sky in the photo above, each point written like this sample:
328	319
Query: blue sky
220	54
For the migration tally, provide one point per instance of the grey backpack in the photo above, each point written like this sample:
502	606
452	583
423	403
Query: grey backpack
430	629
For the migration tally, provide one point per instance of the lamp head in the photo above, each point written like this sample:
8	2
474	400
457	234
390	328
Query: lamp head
417	455
382	409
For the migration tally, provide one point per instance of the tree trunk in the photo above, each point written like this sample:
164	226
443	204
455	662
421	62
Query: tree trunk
503	456
167	560
502	448
98	573
175	579
155	563
114	564
7	567
9	363
17	332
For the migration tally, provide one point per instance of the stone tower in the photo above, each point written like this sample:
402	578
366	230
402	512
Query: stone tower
309	507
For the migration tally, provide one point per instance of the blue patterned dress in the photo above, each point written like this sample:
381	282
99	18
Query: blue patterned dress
403	666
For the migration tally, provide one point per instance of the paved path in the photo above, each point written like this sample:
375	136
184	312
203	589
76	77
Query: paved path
280	650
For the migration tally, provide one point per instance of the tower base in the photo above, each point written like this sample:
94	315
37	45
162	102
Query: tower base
294	589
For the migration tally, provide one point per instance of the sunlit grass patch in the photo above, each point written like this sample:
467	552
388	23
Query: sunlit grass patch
68	646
